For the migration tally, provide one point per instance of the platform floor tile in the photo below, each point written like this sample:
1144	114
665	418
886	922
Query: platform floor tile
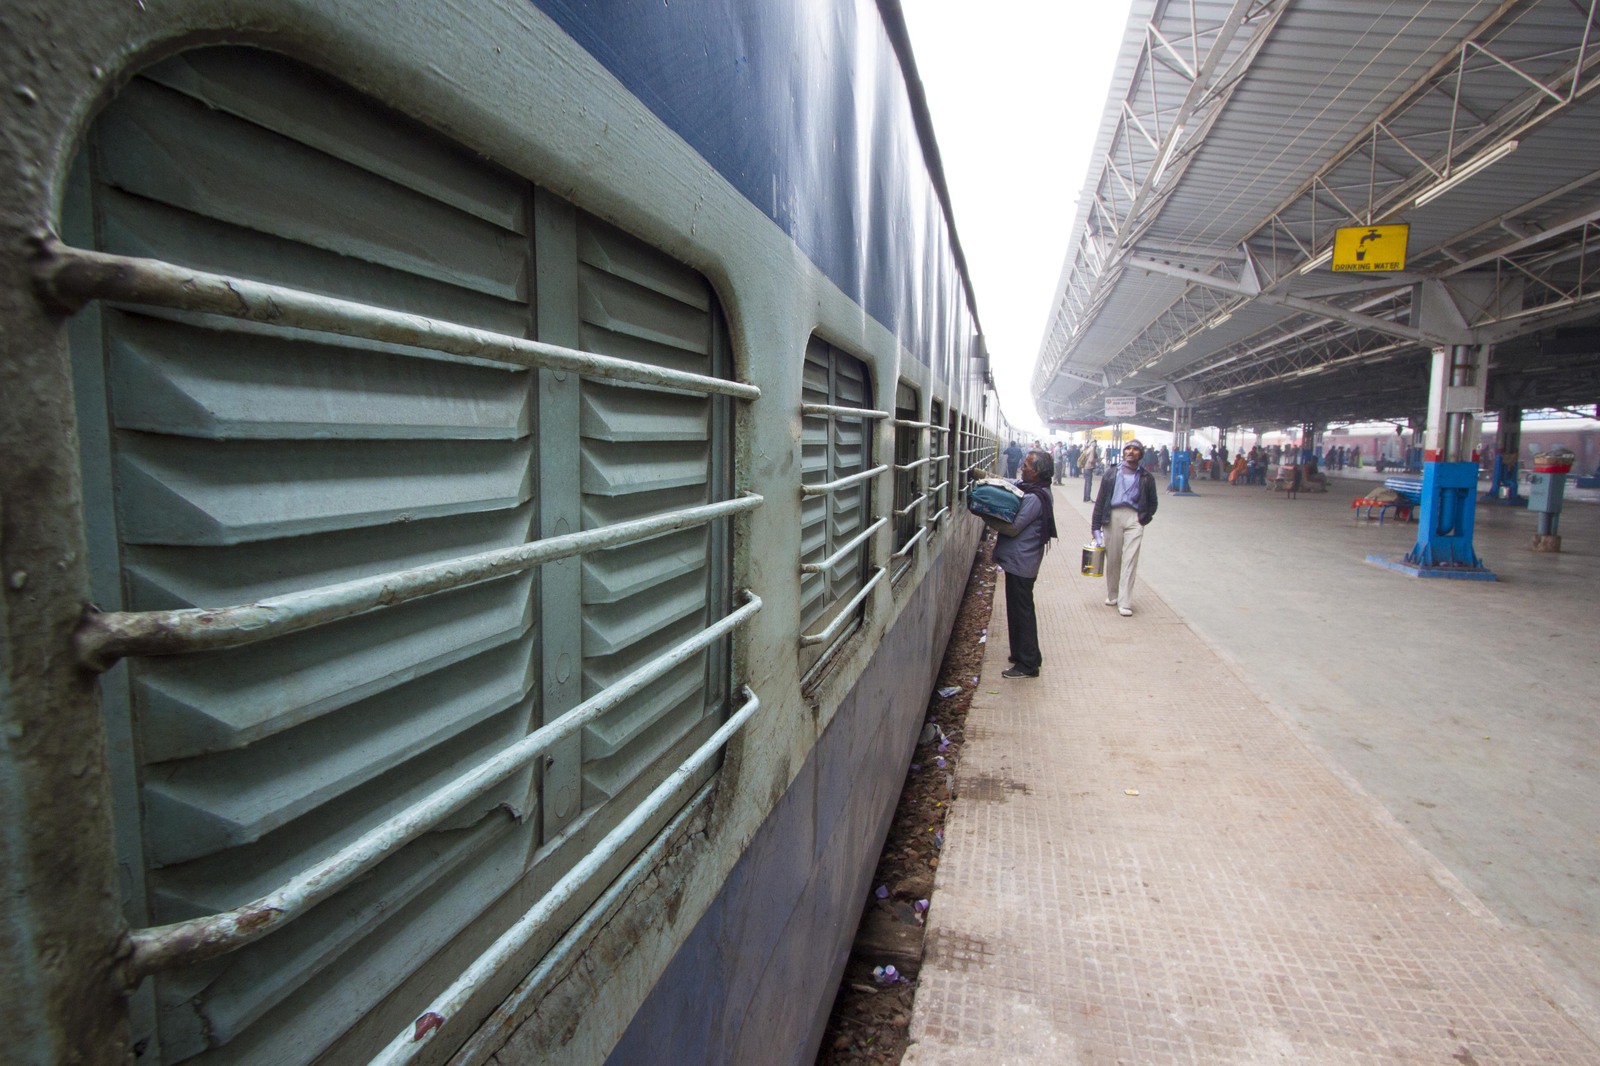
1145	864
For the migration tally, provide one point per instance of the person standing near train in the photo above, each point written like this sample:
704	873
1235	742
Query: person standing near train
1124	505
1013	454
1019	550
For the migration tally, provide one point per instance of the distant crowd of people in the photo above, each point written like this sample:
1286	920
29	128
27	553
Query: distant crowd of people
1247	468
1251	468
1087	460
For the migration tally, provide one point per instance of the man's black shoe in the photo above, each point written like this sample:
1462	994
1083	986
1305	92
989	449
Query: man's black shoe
1017	671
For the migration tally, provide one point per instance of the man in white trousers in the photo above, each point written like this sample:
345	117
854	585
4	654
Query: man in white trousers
1123	507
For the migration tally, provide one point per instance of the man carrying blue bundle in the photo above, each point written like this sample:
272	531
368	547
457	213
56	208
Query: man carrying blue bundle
1019	550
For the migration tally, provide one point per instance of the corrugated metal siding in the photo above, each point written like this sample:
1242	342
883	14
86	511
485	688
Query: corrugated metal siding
248	460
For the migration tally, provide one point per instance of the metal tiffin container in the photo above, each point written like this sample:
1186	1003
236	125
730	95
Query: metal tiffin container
1094	561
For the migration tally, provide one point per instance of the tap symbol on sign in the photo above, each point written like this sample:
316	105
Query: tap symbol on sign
1370	235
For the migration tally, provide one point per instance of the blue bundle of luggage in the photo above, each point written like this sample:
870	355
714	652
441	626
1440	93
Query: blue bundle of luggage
994	497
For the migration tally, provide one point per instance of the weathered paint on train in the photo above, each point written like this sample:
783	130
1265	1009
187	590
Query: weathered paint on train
773	148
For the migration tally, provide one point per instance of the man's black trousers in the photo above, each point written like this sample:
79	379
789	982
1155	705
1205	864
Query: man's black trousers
1022	623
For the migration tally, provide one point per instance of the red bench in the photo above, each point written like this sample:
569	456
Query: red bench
1365	507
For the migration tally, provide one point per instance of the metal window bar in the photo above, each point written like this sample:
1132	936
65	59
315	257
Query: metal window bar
924	461
835	411
911	545
905	511
198	939
842	483
906	423
937	515
485	1040
71	277
808	639
103	638
837	557
410	1042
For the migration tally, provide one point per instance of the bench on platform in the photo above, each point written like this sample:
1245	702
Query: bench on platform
1287	480
1404	510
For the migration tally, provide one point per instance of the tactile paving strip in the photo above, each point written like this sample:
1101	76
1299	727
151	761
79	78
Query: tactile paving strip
1244	906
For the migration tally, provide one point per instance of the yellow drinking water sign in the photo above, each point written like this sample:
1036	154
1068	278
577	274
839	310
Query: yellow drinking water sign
1380	248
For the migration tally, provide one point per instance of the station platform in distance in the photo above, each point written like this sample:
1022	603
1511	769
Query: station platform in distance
1298	808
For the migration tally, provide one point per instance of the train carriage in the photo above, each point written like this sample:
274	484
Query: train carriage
480	521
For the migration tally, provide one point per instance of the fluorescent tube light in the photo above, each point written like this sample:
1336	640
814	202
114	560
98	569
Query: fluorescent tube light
1322	260
1467	170
1220	319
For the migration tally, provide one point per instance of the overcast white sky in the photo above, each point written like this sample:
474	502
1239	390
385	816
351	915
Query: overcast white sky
1017	88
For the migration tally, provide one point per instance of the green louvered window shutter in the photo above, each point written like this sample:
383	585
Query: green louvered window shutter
834	447
228	460
941	473
909	476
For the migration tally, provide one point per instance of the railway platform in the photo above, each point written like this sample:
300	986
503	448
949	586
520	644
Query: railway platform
1297	809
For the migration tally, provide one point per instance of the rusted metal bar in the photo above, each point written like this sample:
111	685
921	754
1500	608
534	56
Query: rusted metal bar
410	1042
104	637
842	483
836	411
911	544
488	1038
198	939
808	639
71	277
905	511
849	546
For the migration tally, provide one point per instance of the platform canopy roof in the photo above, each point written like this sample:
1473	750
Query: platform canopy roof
1240	135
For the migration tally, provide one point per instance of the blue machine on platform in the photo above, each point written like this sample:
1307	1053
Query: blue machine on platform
1448	495
1444	527
1179	483
1503	478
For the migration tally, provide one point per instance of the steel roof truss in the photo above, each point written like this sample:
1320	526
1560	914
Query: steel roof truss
1315	307
1163	130
1554	88
1414	144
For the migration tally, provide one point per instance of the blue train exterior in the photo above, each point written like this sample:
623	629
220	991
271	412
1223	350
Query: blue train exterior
481	518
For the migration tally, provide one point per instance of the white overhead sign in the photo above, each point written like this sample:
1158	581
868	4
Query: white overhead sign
1122	406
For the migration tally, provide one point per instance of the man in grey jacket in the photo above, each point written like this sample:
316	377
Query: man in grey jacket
1019	550
1124	506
